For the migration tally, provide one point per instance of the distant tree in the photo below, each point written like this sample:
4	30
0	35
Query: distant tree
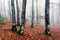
18	19
37	11
32	21
34	10
9	3
0	14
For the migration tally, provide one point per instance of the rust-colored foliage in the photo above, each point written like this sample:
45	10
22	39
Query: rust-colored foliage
36	33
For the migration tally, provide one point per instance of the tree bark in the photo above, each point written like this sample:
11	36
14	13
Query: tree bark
13	16
21	31
47	20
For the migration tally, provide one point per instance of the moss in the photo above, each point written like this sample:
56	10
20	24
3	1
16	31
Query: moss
2	21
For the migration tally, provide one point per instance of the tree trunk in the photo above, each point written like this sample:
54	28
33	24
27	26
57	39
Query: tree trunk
47	20
32	21
21	31
18	19
13	16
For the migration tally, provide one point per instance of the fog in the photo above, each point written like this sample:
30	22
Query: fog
5	10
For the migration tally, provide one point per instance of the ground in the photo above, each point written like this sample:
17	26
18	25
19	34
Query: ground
36	33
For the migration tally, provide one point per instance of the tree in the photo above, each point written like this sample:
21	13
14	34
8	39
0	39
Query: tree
47	22
0	14
18	19
13	16
21	31
32	21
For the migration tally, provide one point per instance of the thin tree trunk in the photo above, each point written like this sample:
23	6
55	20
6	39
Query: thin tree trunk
18	19
32	21
37	11
0	14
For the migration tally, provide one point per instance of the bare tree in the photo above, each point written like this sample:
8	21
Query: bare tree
0	14
47	20
32	21
21	31
18	19
13	16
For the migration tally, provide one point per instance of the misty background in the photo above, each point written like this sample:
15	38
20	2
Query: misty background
5	10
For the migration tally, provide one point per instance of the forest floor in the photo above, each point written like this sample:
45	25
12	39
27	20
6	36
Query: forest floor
36	33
